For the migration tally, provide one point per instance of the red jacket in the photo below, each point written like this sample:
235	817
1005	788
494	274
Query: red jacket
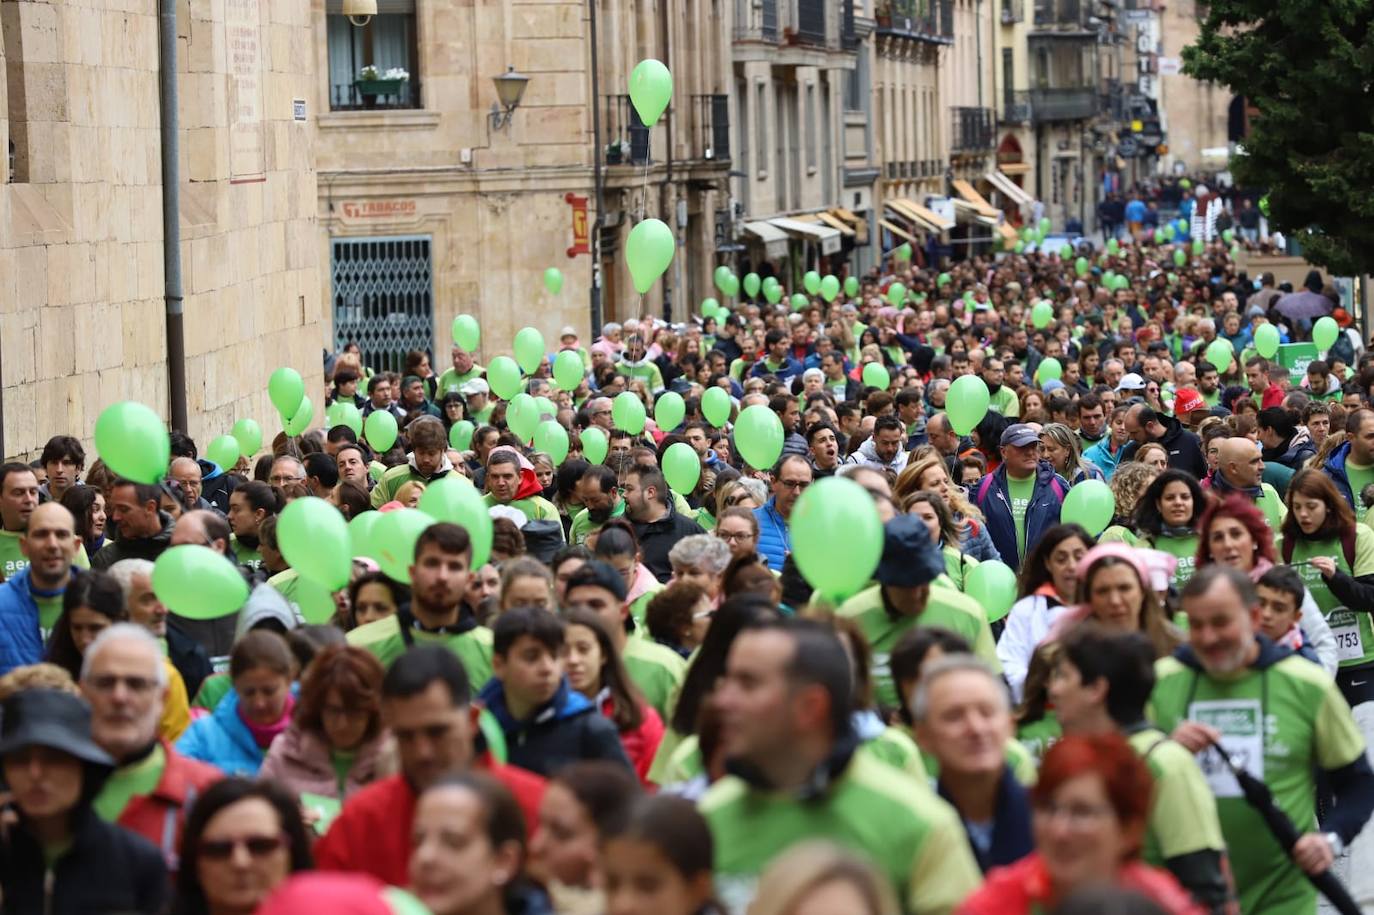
371	835
1025	887
641	743
159	816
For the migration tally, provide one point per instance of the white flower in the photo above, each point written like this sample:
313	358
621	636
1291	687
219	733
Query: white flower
396	73
368	73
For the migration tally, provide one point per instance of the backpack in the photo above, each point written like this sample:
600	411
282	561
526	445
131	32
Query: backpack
1347	547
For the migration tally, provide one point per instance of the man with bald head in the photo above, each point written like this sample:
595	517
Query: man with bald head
942	436
1184	448
31	600
207	528
187	472
1241	469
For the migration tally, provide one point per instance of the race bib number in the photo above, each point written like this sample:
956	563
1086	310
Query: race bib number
1346	628
1241	723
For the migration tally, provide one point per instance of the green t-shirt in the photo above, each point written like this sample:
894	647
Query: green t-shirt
1184	549
583	526
342	761
1360	476
1118	534
1183	813
1038	736
1353	631
129	782
1021	492
1285	721
384	639
645	371
656	670
1211	399
49	609
536	508
1024	764
1272	506
913	837
212	689
947	608
12	560
1005	402
245	555
957	566
450	381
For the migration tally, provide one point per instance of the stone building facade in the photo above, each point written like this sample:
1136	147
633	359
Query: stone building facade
82	318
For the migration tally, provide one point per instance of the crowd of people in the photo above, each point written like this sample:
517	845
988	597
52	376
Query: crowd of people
638	704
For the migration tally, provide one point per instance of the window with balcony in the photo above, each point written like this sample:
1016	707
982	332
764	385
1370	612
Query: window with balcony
375	65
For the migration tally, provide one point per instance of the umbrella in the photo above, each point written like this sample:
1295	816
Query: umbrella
1304	305
1258	796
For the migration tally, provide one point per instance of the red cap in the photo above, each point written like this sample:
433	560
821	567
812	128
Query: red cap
1186	400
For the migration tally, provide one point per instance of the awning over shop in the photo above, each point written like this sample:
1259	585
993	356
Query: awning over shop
923	217
827	238
1008	232
898	231
969	214
774	239
975	199
836	222
858	223
1008	187
1014	168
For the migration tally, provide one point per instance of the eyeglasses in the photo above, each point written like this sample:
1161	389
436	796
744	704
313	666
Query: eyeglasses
106	683
733	538
795	485
257	847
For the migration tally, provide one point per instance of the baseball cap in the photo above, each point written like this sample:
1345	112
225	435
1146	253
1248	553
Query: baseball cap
1054	384
1186	400
1131	382
1020	435
567	331
475	386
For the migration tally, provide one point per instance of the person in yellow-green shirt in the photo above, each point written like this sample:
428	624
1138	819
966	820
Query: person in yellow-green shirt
464	370
427	461
18	499
599	493
511	482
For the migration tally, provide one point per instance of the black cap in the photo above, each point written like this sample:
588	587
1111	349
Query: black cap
910	558
598	574
49	718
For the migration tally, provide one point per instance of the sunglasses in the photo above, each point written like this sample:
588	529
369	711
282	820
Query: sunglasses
257	847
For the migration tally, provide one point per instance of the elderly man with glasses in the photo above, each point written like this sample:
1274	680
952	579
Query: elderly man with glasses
790	479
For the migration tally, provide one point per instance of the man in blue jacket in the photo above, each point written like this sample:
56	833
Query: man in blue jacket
790	479
31	600
1022	499
1351	466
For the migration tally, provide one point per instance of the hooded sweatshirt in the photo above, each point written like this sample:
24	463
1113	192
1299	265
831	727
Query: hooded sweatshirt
564	730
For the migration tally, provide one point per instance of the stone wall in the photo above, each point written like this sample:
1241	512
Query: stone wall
82	318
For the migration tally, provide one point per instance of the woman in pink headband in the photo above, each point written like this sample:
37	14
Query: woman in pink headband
1115	588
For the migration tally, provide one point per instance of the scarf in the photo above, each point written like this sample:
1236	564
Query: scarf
1177	531
264	734
1224	486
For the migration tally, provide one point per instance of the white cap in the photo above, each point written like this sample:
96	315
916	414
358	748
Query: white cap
567	332
475	386
1131	382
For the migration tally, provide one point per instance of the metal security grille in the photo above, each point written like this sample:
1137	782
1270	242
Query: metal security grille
383	290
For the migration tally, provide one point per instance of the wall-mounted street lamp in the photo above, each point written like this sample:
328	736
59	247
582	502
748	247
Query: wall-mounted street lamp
359	12
510	87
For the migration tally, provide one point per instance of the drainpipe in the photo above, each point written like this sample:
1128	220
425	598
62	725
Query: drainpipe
171	207
598	180
668	196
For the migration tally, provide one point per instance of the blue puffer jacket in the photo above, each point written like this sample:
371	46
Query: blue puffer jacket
1335	469
993	498
223	740
775	541
565	730
21	642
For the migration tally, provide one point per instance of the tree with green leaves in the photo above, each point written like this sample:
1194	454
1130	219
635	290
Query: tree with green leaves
1307	67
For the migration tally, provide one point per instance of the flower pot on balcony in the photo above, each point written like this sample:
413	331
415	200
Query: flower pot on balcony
369	89
614	156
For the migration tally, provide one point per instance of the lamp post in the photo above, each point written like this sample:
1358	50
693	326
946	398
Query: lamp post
510	88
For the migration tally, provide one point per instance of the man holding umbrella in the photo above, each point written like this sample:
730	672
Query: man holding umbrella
1280	718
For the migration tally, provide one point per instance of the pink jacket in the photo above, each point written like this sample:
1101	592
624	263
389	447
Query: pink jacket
300	760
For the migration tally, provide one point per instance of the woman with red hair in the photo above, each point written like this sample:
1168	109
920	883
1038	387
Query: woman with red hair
1233	532
1090	809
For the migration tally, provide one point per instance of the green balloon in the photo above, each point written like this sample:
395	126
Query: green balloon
1049	369
344	413
198	583
1080	266
299	422
223	452
249	436
1066	251
1159	236
721	274
453	499
896	295
830	287
758	437
648	252
1123	281
1019	247
522	416
681	467
1197	246
553	280
314	539
1090	504
594	445
1044	223
1267	340
1325	332
1180	257
466	332
709	306
567	370
1228	236
1182	225
395	537
360	533
752	284
286	390
651	88
942	280
627	412
1172	277
380	430
1220	353
716	406
731	287
904	251
1042	313
837	537
966	403
851	286
460	435
551	438
314	600
773	294
811	282
504	377
876	376
669	411
1169	231
993	585
1113	247
799	301
529	349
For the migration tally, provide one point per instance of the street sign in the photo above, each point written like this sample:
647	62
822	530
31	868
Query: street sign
1127	147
